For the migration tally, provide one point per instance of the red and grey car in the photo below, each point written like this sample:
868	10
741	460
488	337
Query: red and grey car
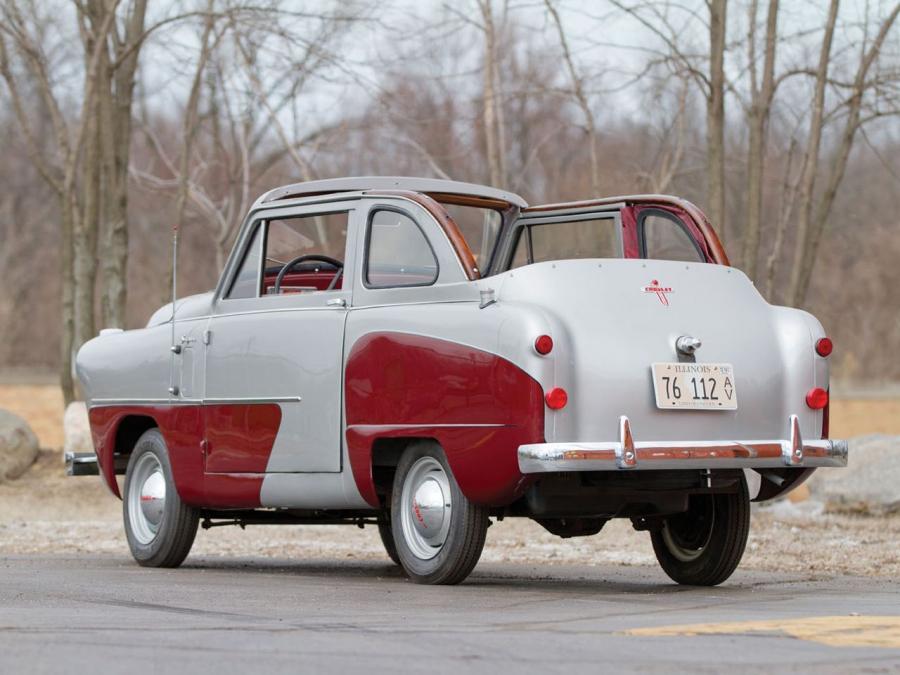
426	355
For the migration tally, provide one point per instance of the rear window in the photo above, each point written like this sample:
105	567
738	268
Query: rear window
664	237
569	240
480	227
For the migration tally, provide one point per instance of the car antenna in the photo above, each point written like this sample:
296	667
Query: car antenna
174	348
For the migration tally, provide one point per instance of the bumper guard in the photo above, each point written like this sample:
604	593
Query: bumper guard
81	464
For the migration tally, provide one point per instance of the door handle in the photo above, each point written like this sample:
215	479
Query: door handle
336	302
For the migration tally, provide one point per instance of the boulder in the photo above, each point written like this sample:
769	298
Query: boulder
77	429
18	446
870	484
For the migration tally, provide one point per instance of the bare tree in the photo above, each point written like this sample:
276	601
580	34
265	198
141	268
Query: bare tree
708	73
667	163
761	97
813	146
813	212
715	112
494	128
22	39
580	96
243	135
118	65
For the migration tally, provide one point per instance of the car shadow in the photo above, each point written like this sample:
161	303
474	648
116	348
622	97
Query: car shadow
561	579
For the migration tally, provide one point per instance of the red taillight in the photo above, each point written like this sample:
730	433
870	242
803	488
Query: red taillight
824	346
556	398
543	345
817	398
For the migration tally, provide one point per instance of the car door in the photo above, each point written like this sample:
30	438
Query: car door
274	359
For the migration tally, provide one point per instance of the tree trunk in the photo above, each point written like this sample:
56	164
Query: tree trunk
715	114
811	162
67	303
838	166
117	94
760	108
490	119
86	220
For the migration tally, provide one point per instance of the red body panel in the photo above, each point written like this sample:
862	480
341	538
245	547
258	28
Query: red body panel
477	405
240	437
183	428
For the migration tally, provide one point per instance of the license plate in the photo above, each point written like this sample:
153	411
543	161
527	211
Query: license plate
694	386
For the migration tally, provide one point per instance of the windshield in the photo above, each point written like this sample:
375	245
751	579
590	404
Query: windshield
479	227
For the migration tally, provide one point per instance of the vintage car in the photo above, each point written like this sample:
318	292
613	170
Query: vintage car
425	355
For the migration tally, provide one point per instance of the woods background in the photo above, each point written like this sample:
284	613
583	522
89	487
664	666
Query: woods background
122	118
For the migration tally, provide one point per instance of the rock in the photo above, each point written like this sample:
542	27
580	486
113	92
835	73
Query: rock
77	429
871	482
18	446
801	494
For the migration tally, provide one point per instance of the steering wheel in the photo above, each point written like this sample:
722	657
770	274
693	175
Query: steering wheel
304	258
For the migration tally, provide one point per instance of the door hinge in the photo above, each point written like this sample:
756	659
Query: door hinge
207	336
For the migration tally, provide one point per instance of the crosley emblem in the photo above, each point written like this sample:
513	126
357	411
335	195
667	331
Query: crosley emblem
661	291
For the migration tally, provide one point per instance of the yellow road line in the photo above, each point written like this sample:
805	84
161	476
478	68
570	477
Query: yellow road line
836	631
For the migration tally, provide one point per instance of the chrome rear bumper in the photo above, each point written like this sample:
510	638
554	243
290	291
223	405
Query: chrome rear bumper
627	454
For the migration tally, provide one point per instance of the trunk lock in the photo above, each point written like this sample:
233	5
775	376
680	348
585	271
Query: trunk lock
687	345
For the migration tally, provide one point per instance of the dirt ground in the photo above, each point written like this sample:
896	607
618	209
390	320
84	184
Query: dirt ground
45	512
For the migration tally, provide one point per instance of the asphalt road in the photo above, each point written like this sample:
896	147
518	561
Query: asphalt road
106	615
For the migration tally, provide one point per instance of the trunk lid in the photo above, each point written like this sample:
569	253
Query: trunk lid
612	319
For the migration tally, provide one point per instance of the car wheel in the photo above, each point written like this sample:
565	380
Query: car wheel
438	533
387	535
703	546
159	526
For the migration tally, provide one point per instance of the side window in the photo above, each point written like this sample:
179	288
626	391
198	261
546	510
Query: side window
398	253
567	240
522	251
246	283
664	237
309	250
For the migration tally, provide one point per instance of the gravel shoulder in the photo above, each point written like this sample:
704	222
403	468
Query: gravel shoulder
44	512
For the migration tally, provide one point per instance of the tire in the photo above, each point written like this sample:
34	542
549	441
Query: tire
159	535
703	546
448	551
387	536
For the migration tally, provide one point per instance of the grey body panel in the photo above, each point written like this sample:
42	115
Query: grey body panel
131	366
608	331
292	355
312	491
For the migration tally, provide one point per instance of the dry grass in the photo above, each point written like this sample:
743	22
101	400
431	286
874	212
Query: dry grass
861	416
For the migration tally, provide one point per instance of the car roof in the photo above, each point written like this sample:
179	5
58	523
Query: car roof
431	186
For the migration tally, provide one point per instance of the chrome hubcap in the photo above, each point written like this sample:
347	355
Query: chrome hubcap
689	536
146	498
427	508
